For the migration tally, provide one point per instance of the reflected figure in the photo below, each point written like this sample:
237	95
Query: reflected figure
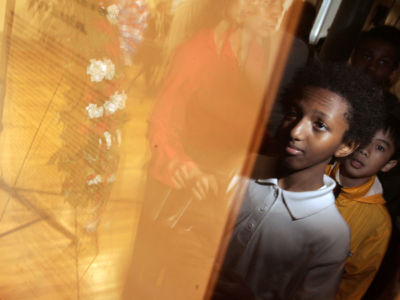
214	76
199	133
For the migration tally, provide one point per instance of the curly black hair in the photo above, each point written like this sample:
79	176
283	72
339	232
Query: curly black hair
363	96
388	34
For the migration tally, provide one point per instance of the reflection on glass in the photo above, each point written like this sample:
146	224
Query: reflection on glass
200	131
126	127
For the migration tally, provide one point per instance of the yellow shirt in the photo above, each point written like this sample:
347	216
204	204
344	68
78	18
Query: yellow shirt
364	210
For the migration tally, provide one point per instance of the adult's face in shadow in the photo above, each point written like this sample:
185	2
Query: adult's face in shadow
376	58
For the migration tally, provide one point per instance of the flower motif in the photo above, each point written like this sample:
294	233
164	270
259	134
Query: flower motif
107	136
95	180
100	69
110	68
94	111
119	99
116	102
112	14
110	107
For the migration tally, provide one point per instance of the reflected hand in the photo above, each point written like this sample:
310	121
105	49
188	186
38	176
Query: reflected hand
203	185
185	174
181	173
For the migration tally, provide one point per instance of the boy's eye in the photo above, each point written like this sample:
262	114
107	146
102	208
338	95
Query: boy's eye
292	114
380	148
321	126
366	57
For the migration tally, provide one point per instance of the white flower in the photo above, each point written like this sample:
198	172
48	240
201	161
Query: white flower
95	180
94	111
119	99
115	102
97	70
110	68
100	69
112	13
107	136
110	107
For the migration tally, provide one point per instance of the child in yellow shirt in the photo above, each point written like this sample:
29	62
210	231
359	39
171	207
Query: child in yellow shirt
360	201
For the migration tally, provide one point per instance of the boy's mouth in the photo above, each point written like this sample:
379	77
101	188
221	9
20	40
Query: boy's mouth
356	163
293	150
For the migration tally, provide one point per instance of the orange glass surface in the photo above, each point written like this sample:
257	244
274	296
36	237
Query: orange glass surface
126	126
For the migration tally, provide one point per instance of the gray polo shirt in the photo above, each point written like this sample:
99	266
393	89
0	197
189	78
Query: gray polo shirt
289	245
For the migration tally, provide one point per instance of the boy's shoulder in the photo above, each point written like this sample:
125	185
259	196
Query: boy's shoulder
313	213
300	205
374	205
368	205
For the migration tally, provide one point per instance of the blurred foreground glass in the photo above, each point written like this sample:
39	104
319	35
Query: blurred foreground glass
208	117
127	125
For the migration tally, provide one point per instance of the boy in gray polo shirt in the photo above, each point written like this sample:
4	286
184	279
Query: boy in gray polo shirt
290	241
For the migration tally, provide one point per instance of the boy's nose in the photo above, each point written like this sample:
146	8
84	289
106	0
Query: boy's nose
363	151
372	65
298	132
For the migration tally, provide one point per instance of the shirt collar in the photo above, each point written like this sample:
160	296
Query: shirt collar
369	192
304	204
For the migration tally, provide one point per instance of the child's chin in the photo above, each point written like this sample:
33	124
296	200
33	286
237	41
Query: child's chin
291	163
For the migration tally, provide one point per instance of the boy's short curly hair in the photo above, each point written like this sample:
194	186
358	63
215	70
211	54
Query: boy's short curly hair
363	96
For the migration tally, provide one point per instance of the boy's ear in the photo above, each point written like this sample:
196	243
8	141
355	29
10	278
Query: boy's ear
346	149
389	165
